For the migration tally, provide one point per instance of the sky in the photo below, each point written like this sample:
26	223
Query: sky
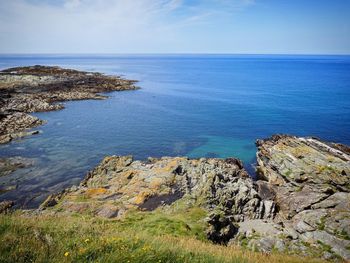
175	26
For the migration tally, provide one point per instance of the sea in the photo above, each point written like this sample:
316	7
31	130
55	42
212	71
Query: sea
195	105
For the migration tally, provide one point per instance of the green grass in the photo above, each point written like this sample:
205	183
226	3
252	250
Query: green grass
141	237
187	223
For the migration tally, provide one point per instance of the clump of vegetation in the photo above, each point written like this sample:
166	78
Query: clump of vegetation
342	234
288	173
322	224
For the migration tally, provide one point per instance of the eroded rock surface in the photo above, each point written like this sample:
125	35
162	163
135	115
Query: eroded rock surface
39	88
301	205
311	183
120	184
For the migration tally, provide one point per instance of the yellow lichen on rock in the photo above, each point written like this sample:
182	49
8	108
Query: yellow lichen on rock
95	192
156	183
141	197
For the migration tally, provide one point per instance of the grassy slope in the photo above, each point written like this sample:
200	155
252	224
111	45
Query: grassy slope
141	237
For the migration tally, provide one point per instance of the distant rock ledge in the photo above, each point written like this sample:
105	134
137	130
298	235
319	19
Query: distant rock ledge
300	204
39	88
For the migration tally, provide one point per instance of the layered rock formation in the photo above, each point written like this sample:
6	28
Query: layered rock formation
311	183
33	89
300	205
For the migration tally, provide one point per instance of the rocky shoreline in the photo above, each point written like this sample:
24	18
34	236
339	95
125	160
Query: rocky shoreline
300	204
41	88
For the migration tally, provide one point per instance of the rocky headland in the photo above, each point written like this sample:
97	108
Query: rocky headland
41	88
300	204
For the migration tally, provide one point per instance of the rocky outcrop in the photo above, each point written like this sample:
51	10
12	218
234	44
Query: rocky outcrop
16	125
300	204
39	88
120	184
311	183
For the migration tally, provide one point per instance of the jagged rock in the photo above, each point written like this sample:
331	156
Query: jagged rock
39	88
302	206
311	183
220	186
51	200
296	161
339	199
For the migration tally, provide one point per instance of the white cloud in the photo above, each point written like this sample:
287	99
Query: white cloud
98	25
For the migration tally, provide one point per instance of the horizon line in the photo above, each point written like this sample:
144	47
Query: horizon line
173	54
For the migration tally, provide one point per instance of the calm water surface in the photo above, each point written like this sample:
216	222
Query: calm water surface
193	105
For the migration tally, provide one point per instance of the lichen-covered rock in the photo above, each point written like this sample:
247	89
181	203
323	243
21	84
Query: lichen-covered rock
301	205
311	183
220	186
292	161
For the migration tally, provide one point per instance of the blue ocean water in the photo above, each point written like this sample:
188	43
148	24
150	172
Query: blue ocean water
193	105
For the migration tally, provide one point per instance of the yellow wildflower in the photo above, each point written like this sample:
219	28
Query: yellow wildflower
87	240
66	254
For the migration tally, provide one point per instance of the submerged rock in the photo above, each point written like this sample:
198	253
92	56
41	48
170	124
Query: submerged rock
9	165
38	88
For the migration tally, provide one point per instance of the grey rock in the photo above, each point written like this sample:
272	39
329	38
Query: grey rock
260	227
302	227
311	183
108	211
338	246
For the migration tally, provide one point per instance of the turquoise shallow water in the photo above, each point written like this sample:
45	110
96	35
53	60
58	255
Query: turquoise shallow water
194	105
